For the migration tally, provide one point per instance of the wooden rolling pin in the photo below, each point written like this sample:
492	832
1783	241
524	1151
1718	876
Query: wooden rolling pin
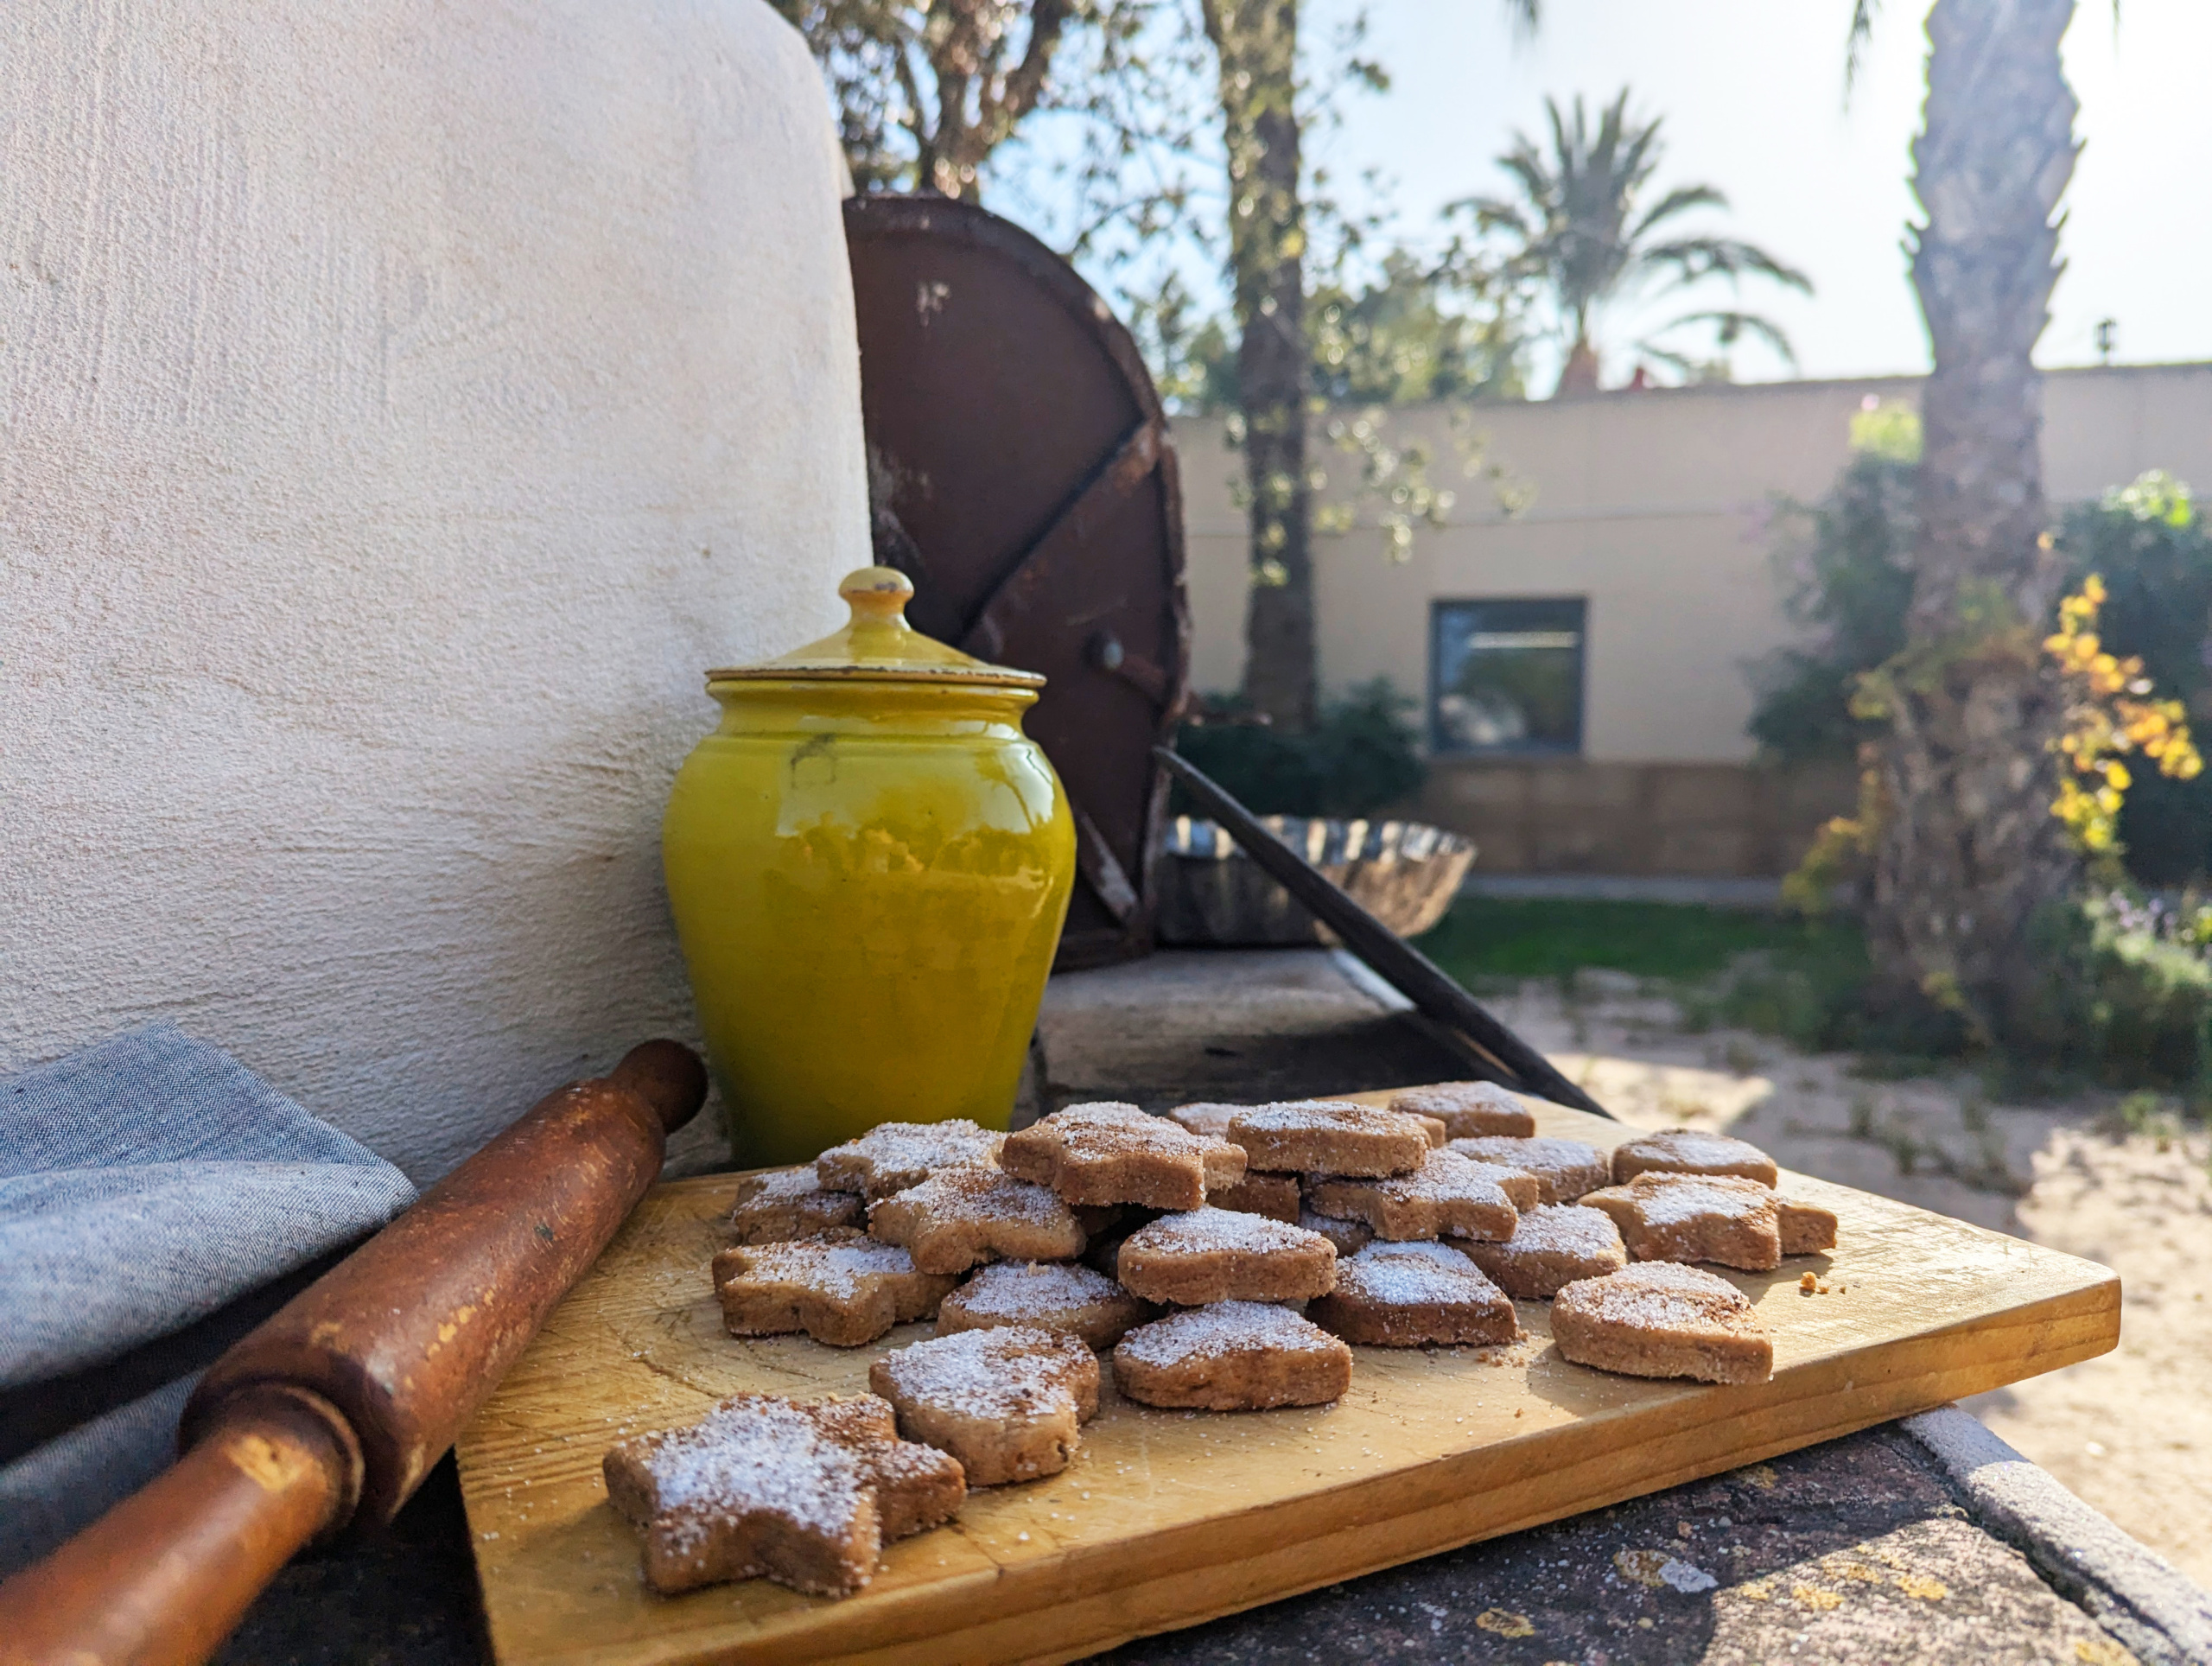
334	1409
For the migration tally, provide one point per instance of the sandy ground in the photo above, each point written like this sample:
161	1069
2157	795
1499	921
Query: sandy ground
2131	1432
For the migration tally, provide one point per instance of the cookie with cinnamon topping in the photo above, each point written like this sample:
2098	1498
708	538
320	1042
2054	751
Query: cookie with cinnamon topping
766	1487
1044	1296
843	1294
791	1202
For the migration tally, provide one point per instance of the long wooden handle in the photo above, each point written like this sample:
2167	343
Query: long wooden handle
165	1575
1414	975
335	1409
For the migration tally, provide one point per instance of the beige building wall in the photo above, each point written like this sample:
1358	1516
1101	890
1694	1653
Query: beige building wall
1656	507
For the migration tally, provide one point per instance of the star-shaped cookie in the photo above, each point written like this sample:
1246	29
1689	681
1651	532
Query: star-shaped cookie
1044	1296
892	1156
1565	1169
1234	1356
1221	1255
1686	1151
1329	1137
840	1293
1448	1195
1552	1245
790	1203
1687	1218
762	1486
960	1218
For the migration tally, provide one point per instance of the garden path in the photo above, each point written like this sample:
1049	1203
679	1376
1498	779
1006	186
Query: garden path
2129	1433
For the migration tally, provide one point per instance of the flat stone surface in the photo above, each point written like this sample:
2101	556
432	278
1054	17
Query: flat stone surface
1852	1552
1246	1025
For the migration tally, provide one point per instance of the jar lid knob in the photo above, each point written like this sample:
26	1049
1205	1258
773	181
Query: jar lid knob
877	595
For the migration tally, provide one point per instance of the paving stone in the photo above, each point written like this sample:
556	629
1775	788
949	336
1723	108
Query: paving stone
1853	1552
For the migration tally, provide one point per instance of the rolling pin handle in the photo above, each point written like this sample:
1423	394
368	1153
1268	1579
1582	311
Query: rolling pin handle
161	1579
667	1076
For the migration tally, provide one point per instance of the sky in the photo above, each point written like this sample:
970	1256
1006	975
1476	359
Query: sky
1752	95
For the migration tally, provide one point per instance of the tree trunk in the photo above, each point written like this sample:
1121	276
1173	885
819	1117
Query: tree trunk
1578	375
1969	853
1256	41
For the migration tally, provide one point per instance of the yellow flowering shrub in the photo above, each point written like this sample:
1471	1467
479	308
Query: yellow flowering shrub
2111	715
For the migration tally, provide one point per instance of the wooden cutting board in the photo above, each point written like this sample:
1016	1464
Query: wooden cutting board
1167	1518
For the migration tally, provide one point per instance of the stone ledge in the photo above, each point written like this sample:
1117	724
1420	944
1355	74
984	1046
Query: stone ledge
2157	1610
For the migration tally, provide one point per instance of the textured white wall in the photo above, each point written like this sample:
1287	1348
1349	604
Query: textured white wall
403	403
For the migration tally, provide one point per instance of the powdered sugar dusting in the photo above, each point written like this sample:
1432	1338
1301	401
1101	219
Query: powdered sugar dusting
1006	1372
783	1185
1658	1295
1679	1200
1555	1160
1108	1128
1448	1097
835	1270
1564	1228
757	1454
1410	1275
895	1155
982	1194
1315	1117
1015	1290
1221	1330
1209	1119
1687	1145
1211	1230
1446	1177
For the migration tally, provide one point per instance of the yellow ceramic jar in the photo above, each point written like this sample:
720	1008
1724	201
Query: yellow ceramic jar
869	864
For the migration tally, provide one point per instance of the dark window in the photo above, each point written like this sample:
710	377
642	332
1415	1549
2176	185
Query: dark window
1506	675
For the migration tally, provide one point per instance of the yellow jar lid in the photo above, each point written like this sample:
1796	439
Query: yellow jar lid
878	645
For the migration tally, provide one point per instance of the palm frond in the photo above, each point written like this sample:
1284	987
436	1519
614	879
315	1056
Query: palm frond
1692	259
1680	199
1729	325
1528	15
1862	31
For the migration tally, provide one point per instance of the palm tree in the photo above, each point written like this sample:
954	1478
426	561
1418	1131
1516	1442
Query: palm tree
1255	48
1580	232
1967	855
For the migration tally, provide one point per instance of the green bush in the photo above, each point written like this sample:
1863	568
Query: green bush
1361	758
1845	564
2127	1002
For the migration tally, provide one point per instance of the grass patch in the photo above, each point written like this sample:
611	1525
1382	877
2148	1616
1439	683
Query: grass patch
1747	968
1488	937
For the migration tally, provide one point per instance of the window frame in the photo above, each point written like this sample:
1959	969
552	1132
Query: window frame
1440	746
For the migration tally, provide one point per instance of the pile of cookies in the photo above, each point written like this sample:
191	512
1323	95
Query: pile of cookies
1225	1255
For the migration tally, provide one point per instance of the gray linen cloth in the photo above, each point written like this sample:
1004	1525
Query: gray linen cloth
145	1182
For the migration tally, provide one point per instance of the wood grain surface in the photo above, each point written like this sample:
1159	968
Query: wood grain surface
1167	1518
